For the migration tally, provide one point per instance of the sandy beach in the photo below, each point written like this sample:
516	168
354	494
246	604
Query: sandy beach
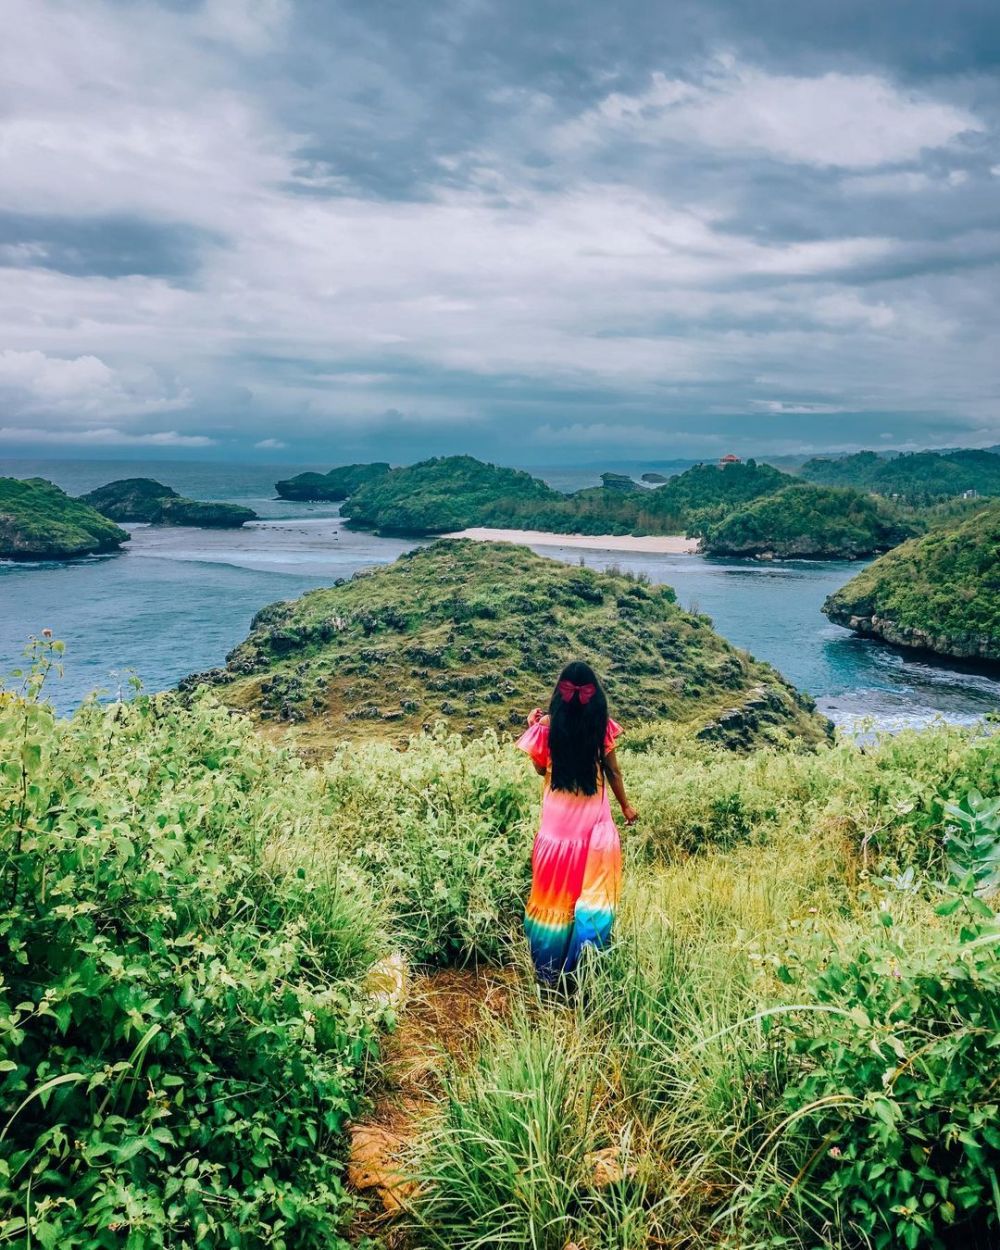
668	544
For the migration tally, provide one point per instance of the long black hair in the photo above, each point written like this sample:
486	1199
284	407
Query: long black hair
578	725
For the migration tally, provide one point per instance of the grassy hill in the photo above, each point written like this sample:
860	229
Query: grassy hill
474	634
918	476
940	592
808	522
38	521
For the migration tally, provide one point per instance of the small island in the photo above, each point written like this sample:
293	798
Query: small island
807	523
333	487
469	633
38	521
938	593
138	499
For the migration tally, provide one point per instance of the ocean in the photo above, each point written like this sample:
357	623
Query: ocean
176	599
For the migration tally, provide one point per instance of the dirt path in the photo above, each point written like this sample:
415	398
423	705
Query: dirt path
441	1020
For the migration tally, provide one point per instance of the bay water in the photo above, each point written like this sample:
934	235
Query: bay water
175	600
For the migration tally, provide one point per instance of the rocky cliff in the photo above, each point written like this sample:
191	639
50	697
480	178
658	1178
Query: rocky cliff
939	593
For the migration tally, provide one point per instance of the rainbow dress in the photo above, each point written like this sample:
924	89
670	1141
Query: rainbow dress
575	867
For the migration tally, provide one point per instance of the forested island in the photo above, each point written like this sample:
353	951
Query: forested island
144	499
708	501
939	593
807	522
330	487
38	521
918	477
466	633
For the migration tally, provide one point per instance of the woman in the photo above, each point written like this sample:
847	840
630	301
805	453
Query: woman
576	861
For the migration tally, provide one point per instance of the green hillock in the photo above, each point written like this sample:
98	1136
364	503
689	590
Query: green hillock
334	486
808	522
38	521
473	634
444	494
940	592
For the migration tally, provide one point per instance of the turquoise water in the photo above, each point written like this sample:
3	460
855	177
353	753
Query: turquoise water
176	600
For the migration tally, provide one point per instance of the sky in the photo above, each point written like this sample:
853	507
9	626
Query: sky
539	231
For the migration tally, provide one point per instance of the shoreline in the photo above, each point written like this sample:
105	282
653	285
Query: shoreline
653	544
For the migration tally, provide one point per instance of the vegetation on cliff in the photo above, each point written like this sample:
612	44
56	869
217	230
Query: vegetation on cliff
918	476
334	486
784	1046
940	592
473	634
144	499
38	521
811	522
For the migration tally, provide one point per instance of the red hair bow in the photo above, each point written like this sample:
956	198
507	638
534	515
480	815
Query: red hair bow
568	689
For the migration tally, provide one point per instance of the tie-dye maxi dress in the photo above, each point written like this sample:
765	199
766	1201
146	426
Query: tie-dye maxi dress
575	867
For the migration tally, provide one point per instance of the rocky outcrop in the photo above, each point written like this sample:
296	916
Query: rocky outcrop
959	646
619	482
130	499
38	521
205	515
144	499
766	707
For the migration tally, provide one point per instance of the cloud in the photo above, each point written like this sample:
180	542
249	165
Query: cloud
787	406
260	215
270	444
854	121
104	436
81	387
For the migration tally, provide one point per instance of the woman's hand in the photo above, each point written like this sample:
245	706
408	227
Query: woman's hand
629	814
534	716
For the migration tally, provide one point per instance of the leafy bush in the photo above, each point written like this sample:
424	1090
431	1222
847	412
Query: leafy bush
181	1033
892	1129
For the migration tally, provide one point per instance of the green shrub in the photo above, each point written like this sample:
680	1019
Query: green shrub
181	1033
892	1129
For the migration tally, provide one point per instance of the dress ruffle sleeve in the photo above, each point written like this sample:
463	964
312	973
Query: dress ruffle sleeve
535	742
614	729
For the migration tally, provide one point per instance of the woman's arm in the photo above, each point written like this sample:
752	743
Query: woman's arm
614	776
